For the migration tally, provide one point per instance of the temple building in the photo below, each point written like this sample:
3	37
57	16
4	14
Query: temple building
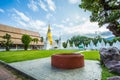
16	35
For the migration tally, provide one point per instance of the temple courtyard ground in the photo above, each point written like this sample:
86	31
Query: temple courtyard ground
41	69
39	61
7	74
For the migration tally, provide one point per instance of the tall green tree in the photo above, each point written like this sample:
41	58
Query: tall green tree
26	39
80	39
115	39
70	42
7	41
64	44
104	12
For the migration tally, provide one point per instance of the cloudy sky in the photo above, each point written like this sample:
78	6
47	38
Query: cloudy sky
64	16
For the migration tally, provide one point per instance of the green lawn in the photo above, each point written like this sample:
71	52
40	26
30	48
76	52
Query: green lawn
91	55
106	74
15	56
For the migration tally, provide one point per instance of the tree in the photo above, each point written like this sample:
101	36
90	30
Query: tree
70	42
41	39
64	44
95	41
115	39
35	40
6	42
80	39
26	39
104	12
57	41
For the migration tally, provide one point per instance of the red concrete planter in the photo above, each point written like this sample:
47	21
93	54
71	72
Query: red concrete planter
67	61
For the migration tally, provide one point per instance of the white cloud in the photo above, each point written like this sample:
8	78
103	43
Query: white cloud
81	18
74	1
49	15
75	19
1	10
27	23
33	5
36	24
22	23
79	25
51	5
71	24
17	19
22	15
42	5
59	26
86	29
66	20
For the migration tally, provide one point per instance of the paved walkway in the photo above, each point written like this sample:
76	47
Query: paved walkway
41	69
82	51
6	74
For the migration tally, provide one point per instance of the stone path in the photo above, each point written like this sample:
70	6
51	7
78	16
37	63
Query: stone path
82	51
5	74
41	69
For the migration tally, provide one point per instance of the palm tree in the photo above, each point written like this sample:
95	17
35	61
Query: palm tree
35	40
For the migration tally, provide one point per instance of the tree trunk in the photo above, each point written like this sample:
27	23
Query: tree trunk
25	47
113	27
7	48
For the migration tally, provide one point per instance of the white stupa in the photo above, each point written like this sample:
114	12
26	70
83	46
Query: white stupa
60	46
102	44
49	41
114	44
98	45
118	44
107	45
92	46
47	45
68	45
88	47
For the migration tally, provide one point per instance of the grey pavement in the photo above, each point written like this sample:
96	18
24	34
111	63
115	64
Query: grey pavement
82	51
41	69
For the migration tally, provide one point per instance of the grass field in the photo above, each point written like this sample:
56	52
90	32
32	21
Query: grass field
91	55
14	56
106	73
